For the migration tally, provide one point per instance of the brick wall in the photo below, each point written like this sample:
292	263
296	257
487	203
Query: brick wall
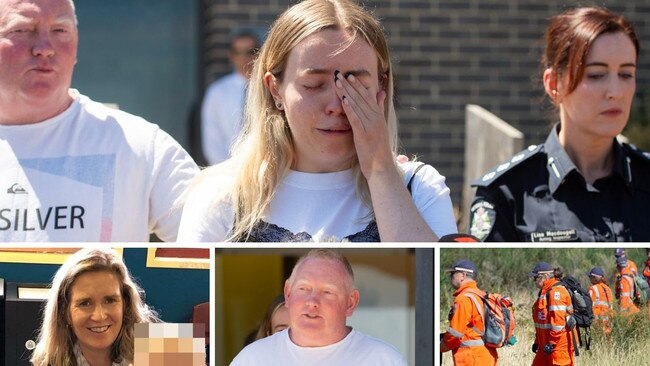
446	54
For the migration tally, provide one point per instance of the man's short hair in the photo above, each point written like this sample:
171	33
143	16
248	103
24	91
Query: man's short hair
326	254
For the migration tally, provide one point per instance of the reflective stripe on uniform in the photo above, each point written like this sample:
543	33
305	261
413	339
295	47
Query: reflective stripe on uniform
557	328
603	303
542	326
625	294
478	307
474	343
454	332
558	307
595	288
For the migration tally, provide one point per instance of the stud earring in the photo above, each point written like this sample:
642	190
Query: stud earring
279	105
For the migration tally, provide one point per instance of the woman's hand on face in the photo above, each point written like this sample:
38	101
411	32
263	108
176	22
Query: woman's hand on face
365	112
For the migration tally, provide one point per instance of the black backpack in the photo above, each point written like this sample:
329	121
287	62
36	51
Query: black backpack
583	313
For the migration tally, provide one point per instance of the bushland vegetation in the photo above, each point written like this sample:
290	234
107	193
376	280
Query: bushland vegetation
505	271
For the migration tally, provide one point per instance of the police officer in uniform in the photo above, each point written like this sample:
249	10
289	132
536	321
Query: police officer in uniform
581	184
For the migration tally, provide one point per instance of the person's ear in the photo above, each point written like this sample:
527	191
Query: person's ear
353	301
272	85
287	292
551	84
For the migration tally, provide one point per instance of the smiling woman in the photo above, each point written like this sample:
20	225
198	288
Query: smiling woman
90	314
317	158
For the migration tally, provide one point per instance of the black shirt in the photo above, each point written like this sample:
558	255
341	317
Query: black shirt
539	195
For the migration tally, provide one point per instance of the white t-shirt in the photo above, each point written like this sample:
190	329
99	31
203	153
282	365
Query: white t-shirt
221	116
356	349
309	206
91	174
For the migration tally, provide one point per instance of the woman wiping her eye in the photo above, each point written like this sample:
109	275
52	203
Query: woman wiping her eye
317	159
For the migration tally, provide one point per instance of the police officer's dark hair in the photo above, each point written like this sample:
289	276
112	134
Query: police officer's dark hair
558	273
571	34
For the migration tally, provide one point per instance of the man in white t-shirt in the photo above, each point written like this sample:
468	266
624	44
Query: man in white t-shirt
320	295
223	105
73	169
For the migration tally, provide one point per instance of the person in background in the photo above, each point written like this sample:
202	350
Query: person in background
275	320
464	335
581	184
90	313
620	252
320	295
73	169
223	105
625	287
602	299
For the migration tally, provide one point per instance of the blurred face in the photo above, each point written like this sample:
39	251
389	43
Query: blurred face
242	53
600	106
280	320
321	133
539	280
457	279
594	279
319	299
95	311
38	50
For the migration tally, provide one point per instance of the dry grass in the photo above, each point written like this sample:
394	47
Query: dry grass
504	271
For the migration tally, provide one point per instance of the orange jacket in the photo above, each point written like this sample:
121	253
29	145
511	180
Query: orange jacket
463	337
550	313
602	299
646	271
625	292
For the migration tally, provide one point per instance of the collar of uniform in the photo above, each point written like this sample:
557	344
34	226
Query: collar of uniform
548	284
465	286
558	163
622	165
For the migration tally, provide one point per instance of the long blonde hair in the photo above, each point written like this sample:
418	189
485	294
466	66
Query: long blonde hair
265	152
56	340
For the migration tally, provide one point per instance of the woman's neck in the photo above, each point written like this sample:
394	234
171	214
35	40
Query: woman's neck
594	157
97	358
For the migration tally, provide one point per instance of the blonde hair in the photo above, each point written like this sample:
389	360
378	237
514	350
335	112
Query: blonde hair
56	339
265	152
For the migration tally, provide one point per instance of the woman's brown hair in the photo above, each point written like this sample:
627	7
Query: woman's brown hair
569	38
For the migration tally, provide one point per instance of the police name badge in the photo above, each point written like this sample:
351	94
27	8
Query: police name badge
554	235
482	218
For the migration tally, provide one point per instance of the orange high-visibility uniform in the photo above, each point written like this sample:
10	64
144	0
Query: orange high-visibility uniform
550	313
602	304
625	292
463	338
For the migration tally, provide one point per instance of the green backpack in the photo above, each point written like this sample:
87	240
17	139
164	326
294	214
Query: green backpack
641	290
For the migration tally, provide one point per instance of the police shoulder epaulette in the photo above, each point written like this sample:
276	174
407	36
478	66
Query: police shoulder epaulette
501	169
632	150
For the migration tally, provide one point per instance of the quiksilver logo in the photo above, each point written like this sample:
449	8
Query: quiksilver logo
16	189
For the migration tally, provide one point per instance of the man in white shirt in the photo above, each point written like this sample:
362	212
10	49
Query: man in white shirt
320	295
223	105
73	169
